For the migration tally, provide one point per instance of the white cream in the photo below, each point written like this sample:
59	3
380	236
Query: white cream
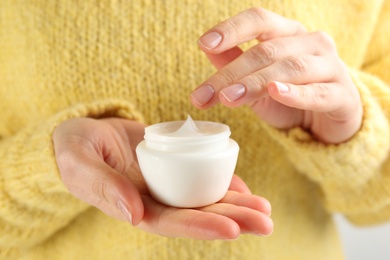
187	163
189	128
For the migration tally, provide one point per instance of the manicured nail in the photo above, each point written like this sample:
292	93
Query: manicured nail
283	88
210	40
233	92
203	94
125	211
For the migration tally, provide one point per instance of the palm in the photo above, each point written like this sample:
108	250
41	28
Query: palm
97	163
238	212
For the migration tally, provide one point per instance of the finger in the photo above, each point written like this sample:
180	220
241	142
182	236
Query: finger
254	23
96	183
259	57
238	185
301	70
266	53
247	200
190	223
133	132
220	60
249	220
322	98
277	114
317	97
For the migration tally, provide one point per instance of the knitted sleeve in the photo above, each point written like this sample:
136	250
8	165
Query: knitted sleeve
34	203
355	176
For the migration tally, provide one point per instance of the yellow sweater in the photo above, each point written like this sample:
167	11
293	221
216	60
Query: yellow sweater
61	59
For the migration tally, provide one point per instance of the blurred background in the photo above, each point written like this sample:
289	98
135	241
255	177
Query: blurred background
364	243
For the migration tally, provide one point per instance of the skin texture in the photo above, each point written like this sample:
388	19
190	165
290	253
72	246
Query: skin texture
291	78
97	163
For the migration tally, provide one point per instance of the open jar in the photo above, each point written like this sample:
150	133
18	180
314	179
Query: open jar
188	163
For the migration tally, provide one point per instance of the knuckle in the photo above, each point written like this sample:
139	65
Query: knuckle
258	13
68	154
325	40
320	93
66	161
316	95
239	23
301	92
257	80
233	25
299	27
100	188
319	96
342	68
69	170
225	76
265	52
296	65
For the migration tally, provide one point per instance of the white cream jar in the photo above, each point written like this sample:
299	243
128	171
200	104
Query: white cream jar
187	164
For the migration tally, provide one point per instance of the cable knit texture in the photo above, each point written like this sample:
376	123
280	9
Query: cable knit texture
61	59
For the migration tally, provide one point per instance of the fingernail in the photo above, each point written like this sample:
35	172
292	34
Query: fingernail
203	94
210	40
262	235
125	211
282	88
233	92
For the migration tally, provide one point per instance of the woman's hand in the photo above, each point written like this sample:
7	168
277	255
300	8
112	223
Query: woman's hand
97	163
291	78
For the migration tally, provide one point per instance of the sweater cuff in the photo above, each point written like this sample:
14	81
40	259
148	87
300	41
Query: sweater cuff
31	188
351	163
97	109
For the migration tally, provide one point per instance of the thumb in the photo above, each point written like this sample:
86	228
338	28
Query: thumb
93	181
120	193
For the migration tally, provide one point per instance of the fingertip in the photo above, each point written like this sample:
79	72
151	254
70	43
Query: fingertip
267	208
264	227
196	103
232	93
122	206
202	96
137	209
228	100
268	228
238	185
230	232
278	88
217	228
283	93
210	40
129	201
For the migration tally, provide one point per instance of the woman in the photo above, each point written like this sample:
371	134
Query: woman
79	79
